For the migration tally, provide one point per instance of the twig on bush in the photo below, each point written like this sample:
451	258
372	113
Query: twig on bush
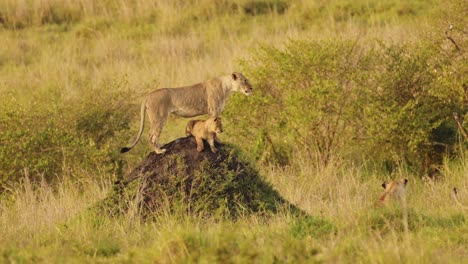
450	37
460	127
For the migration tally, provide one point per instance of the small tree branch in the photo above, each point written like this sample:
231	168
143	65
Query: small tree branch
460	127
450	37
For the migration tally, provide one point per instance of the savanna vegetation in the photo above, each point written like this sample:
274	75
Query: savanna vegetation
346	94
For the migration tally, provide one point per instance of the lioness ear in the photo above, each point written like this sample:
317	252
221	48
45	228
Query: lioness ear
384	185
234	76
405	181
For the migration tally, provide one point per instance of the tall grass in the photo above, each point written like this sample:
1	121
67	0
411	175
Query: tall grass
61	60
51	224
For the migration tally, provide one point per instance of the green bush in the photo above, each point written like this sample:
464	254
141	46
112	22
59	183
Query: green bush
306	94
82	133
409	112
33	142
391	103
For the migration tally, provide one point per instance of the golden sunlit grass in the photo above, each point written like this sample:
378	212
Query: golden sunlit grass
51	224
55	51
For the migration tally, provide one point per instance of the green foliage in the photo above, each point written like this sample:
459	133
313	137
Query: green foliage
105	247
65	122
306	93
33	142
79	133
305	226
411	105
393	103
389	219
103	113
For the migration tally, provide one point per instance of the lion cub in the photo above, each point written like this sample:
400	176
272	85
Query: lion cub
394	191
207	130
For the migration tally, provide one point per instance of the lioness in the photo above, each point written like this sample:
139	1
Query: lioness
208	97
207	130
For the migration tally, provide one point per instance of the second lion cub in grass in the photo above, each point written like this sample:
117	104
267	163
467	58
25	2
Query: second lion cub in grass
207	130
394	191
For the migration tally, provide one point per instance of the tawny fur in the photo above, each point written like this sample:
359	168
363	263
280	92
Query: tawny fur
395	191
208	97
205	130
457	201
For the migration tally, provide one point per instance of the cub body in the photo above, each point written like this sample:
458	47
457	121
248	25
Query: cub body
394	191
207	130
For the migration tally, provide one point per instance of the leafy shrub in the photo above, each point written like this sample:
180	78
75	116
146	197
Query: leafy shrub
101	114
305	95
411	105
36	143
392	103
81	132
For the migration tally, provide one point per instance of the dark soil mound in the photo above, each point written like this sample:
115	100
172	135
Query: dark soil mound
206	184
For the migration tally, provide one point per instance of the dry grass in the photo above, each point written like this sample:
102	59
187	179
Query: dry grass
53	50
48	224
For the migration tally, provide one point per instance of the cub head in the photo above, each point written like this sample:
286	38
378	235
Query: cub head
240	83
395	190
214	125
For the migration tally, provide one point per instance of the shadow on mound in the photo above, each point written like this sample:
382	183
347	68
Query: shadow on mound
203	184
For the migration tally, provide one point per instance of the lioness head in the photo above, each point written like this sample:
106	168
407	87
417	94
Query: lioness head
395	190
213	124
241	84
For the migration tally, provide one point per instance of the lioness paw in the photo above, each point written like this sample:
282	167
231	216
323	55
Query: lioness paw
160	151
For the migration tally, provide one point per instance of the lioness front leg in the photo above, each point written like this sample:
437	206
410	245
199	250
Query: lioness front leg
213	106
214	112
212	145
200	146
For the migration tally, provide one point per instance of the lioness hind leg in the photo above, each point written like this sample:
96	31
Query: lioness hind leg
154	143
158	123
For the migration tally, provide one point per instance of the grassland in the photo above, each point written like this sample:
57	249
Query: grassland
65	66
46	224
